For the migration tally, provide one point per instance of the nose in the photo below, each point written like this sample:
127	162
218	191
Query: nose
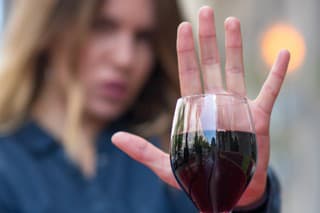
123	52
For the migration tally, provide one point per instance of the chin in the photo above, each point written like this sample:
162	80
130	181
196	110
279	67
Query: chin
105	112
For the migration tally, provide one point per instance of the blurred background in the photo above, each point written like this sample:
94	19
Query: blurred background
267	27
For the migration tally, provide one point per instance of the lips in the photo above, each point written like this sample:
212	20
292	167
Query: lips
115	90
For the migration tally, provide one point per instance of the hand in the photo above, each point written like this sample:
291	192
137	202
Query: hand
190	83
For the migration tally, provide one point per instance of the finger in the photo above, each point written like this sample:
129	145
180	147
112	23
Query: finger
272	85
234	59
210	59
144	152
189	73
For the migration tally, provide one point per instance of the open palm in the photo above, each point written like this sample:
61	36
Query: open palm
190	83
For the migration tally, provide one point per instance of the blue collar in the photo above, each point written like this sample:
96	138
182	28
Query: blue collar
40	142
36	139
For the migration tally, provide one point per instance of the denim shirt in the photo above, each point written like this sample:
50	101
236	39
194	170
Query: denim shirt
36	176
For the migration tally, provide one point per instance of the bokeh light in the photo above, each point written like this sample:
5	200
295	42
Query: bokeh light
283	36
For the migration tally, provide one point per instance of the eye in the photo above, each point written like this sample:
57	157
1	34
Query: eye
103	26
144	36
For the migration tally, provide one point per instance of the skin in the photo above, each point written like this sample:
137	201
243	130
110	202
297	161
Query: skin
261	107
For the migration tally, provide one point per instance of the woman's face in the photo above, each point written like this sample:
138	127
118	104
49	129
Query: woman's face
117	58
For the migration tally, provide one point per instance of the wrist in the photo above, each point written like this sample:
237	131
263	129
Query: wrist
254	205
255	192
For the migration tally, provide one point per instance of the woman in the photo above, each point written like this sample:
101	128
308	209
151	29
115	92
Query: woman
75	72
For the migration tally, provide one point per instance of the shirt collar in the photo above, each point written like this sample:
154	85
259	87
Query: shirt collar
40	142
36	139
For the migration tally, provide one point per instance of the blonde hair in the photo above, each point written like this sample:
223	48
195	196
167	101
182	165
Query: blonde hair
33	25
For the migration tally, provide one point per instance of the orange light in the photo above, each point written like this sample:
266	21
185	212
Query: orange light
283	36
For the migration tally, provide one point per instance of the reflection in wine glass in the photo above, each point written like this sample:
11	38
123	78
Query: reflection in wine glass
213	149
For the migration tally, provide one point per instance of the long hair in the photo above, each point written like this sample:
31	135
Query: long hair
33	25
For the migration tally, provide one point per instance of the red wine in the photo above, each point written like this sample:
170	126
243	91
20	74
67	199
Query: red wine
214	167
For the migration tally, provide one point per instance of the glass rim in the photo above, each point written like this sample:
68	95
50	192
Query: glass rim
217	94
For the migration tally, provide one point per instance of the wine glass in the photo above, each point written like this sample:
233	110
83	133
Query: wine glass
213	149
